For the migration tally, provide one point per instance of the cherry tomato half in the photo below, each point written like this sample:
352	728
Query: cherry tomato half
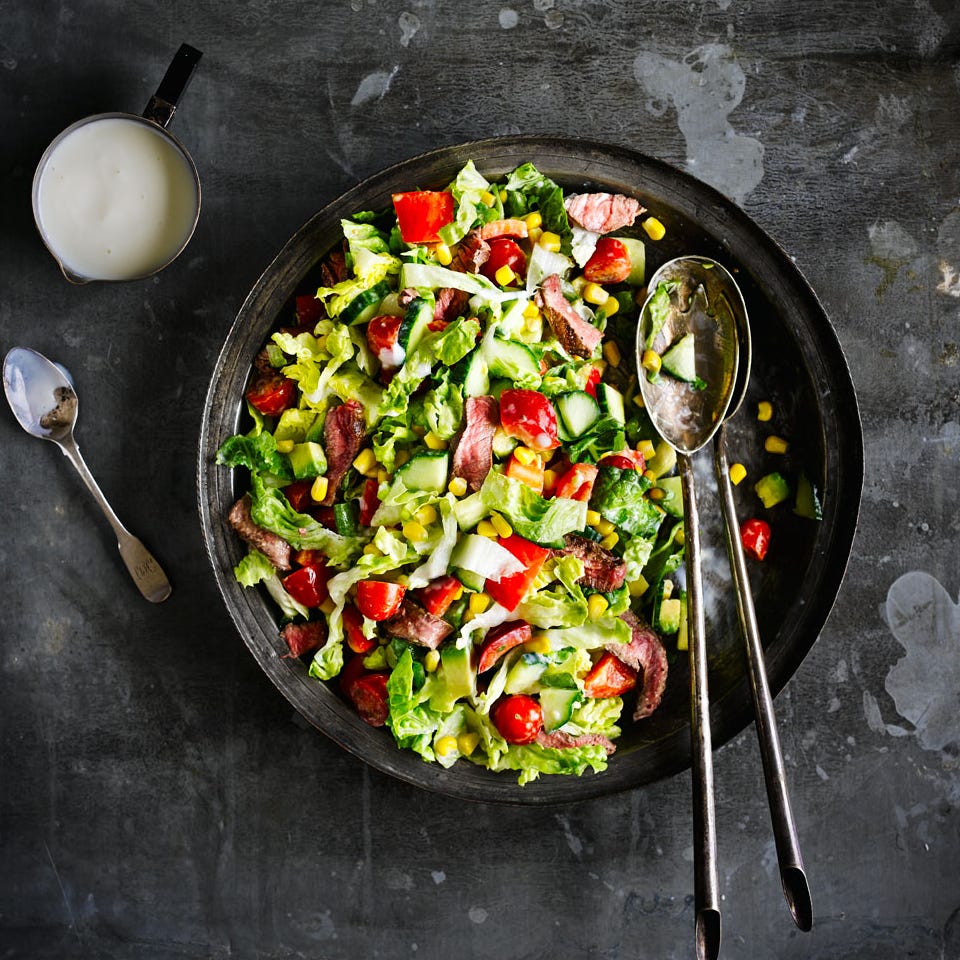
529	416
308	585
272	395
610	262
755	536
379	599
518	718
382	335
353	630
504	252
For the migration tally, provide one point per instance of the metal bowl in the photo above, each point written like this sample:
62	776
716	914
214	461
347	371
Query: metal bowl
798	365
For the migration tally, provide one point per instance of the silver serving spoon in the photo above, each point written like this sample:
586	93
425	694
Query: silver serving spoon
701	300
44	402
793	878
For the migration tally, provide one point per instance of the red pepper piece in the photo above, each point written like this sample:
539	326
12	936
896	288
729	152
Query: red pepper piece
369	501
577	482
501	639
509	591
422	213
353	630
755	537
610	262
437	595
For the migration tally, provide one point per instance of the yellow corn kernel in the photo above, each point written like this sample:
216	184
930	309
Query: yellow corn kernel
372	549
650	361
638	400
595	294
534	234
538	643
382	476
638	587
612	353
667	589
525	455
679	538
656	493
433	441
593	518
550	241
401	458
427	515
457	486
503	196
764	411
318	490
605	527
597	606
415	531
467	743
502	527
654	228
328	606
610	541
284	446
486	529
505	275
431	661
775	445
445	746
442	252
366	462
737	472
650	475
531	311
550	479
610	307
533	220
647	449
487	198
458	593
478	602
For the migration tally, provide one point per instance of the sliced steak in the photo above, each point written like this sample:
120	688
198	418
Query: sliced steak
273	547
602	568
558	740
333	268
503	228
450	304
471	253
406	296
602	212
644	653
576	336
342	436
473	449
413	623
303	637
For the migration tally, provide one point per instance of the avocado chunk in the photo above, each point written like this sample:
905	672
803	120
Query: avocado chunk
456	679
307	459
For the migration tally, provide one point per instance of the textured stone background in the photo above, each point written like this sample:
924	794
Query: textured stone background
157	798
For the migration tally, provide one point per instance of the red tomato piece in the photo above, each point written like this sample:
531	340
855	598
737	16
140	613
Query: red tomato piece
577	482
309	310
529	416
421	214
509	591
518	718
532	474
298	495
324	516
610	262
353	630
272	395
593	378
369	696
504	253
369	501
501	639
625	460
352	671
379	599
308	585
382	335
437	595
755	536
610	677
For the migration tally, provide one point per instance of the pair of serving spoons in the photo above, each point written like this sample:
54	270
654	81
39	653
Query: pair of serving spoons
706	301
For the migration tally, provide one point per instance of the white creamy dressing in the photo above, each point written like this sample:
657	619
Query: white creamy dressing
116	200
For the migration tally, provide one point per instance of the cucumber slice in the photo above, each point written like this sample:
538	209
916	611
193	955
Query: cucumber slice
469	579
416	321
680	361
426	471
611	402
511	359
503	443
473	374
672	501
663	461
578	410
524	677
557	705
638	260
470	511
364	306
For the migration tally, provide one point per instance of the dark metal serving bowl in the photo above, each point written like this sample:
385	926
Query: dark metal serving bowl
797	364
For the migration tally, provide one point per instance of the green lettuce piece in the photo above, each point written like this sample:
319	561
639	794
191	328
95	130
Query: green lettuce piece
442	409
370	251
255	568
439	547
327	662
467	188
531	516
258	453
451	724
565	667
390	432
635	555
618	496
531	760
596	716
411	722
528	190
563	606
431	276
316	361
659	309
591	635
337	297
350	384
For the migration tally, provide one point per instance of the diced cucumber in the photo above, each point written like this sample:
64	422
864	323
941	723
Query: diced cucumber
672	501
416	322
663	460
473	374
557	705
307	460
426	471
610	400
680	361
498	386
807	503
469	579
578	410
457	679
772	489
511	359
524	677
503	443
345	518
638	260
364	305
470	511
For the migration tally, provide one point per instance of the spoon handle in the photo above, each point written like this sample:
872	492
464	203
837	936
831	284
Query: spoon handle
706	887
147	574
792	875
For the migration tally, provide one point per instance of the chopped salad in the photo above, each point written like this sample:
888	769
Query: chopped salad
455	497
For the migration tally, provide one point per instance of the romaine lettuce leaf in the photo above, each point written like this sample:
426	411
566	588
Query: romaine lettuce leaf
370	252
591	635
257	453
531	516
255	568
467	189
618	496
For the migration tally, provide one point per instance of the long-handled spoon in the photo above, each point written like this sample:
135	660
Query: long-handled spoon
793	878
44	402
693	315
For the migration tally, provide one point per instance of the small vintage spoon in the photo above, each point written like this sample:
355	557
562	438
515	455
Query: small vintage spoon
793	878
699	299
44	402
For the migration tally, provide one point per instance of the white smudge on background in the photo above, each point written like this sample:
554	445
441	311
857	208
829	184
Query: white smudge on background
438	876
409	25
948	247
925	683
890	241
477	914
374	86
705	87
508	18
573	841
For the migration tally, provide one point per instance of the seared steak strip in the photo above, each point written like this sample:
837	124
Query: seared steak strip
644	653
471	253
473	449
557	739
450	304
303	637
576	336
415	624
602	568
342	436
602	212
273	547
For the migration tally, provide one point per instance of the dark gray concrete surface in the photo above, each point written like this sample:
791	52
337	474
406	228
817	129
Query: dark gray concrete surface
158	799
